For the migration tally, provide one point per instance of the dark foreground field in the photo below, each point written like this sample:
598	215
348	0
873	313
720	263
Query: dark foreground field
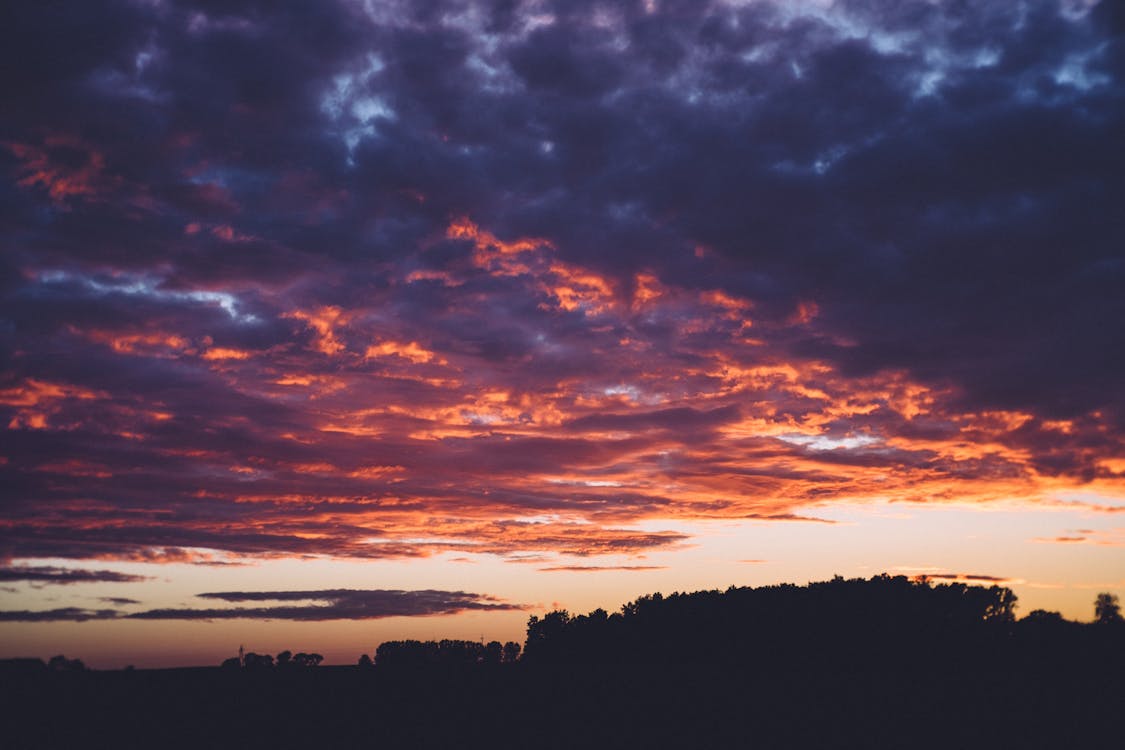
549	706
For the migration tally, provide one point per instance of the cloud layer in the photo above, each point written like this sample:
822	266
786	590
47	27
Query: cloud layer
46	574
387	280
331	604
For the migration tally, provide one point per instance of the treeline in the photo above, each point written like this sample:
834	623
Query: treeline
409	654
33	666
285	660
852	623
412	654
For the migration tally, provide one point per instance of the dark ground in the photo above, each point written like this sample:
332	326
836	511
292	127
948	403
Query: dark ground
573	706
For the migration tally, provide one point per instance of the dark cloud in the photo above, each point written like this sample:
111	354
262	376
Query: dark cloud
63	614
328	604
44	574
287	280
119	601
334	604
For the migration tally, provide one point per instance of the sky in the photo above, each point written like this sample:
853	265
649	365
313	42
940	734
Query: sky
329	323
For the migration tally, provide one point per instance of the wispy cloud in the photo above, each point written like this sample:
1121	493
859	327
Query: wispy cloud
327	604
45	574
961	578
62	614
334	604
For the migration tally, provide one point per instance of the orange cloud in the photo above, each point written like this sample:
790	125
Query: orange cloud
61	178
36	392
41	403
324	321
409	350
222	353
144	343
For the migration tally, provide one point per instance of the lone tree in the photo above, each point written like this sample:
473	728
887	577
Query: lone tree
1107	610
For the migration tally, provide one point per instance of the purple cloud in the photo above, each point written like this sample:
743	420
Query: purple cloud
335	604
45	574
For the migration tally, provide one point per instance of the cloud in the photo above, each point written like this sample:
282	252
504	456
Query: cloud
62	614
119	601
597	568
45	574
524	283
327	604
1111	537
334	604
961	578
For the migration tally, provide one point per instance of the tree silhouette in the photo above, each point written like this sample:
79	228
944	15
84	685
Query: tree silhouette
257	661
844	622
365	661
493	653
1107	610
60	663
546	632
1043	617
446	653
307	660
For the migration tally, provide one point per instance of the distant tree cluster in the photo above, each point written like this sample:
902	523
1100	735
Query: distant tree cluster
285	660
62	664
444	653
30	666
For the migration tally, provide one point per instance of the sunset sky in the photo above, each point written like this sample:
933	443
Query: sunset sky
328	323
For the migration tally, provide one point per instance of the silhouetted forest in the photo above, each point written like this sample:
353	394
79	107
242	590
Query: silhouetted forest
843	623
884	662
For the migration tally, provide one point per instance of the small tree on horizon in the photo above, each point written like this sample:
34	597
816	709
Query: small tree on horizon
1107	609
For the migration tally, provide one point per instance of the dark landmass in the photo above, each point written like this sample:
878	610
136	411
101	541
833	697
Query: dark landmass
886	662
